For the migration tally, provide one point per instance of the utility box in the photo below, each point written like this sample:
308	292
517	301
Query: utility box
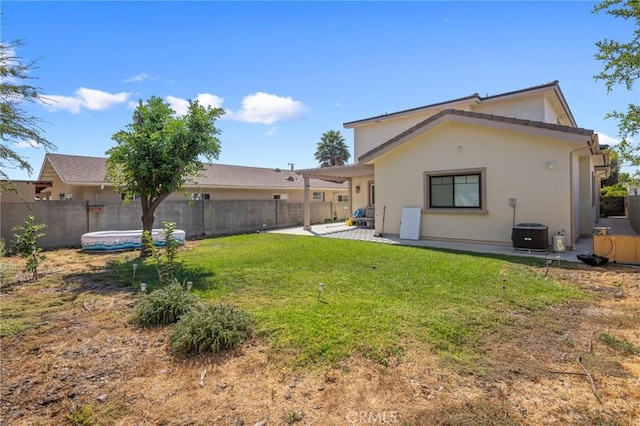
558	243
530	236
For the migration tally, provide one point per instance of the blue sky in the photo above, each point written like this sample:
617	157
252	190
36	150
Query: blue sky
288	71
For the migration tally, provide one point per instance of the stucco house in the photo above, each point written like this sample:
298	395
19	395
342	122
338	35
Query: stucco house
476	166
83	178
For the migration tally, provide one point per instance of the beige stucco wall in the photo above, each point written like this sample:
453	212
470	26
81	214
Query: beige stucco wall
294	195
527	108
370	135
106	194
361	199
25	192
550	115
515	168
535	107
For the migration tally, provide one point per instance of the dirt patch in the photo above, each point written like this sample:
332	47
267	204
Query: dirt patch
80	362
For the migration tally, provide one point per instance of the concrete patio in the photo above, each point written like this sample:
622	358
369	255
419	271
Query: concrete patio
618	226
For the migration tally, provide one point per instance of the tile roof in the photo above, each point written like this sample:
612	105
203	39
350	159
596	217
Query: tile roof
92	170
476	115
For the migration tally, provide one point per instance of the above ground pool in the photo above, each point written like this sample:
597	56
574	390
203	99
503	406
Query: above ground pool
124	240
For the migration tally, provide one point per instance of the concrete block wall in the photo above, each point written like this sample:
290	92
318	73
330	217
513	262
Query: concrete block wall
67	220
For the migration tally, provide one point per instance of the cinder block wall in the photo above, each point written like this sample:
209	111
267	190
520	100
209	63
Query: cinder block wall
67	220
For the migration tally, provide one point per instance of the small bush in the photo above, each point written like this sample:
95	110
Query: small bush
163	306
25	244
210	328
81	417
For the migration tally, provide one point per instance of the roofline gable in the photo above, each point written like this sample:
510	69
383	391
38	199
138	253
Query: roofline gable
47	159
575	134
474	98
554	86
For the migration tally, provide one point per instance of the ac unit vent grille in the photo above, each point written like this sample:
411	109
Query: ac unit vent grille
530	236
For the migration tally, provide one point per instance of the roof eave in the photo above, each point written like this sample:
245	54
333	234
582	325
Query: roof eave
475	98
508	124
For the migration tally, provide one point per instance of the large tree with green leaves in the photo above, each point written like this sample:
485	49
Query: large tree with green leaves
622	67
17	126
159	151
332	149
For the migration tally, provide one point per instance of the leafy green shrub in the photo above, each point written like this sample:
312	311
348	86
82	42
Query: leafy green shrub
167	264
25	244
163	306
210	328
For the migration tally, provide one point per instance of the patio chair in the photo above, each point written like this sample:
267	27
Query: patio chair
364	218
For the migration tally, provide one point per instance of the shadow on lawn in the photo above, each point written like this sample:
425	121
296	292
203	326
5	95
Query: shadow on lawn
120	275
551	260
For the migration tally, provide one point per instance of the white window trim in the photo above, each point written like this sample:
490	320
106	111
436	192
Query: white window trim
482	171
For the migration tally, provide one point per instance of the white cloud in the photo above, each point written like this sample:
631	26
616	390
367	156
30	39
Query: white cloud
266	108
68	103
91	99
207	99
181	106
27	144
139	77
98	100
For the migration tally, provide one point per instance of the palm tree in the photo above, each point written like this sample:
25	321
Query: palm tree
332	150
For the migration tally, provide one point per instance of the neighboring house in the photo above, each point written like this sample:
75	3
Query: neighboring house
477	166
83	178
20	191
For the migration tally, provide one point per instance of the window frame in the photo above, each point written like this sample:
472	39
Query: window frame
371	193
320	197
481	171
200	196
136	196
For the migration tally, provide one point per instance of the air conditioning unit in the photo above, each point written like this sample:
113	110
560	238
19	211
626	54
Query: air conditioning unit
530	236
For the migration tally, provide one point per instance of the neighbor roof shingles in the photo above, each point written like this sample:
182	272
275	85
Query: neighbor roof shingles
78	169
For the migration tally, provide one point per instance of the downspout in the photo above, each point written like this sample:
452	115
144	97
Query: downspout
571	206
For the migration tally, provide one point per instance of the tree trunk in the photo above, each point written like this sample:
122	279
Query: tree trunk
147	239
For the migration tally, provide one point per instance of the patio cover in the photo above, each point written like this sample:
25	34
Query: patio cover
338	174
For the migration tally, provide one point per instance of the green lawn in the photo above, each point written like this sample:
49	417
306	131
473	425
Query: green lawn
377	298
